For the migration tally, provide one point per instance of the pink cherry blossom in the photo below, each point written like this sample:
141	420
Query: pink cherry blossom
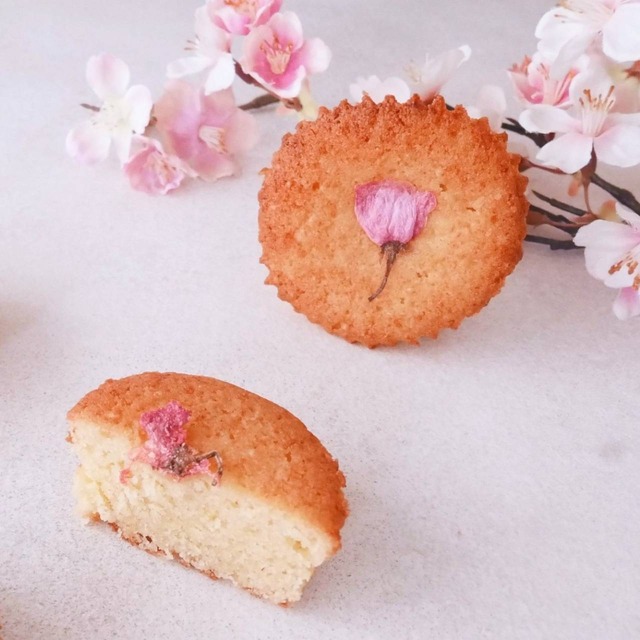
436	72
124	111
238	17
612	255
535	83
153	171
392	213
277	56
615	137
210	53
205	131
576	26
378	89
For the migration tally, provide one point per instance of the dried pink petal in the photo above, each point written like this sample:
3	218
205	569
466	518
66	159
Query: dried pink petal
166	430
392	213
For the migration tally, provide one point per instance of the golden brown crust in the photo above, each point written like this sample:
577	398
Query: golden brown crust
265	449
322	262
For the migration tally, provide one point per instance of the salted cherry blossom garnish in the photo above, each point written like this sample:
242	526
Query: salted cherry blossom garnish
238	17
277	56
612	255
392	213
124	111
153	171
436	72
205	131
210	53
166	448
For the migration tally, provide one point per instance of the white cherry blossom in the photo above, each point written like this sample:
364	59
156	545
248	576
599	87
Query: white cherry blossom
124	111
593	126
436	72
490	103
575	26
210	53
612	255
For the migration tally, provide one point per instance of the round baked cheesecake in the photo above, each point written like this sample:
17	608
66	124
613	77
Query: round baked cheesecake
386	223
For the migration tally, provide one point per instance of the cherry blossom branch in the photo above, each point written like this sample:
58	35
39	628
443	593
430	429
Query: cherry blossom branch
553	244
553	217
623	196
525	164
515	127
538	215
558	204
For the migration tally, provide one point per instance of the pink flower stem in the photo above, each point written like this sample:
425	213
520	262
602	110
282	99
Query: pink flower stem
390	250
216	456
290	103
586	198
91	107
183	458
585	177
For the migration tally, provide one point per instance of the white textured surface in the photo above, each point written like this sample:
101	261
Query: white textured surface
493	475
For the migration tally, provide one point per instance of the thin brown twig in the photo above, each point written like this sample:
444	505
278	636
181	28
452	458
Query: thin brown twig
515	127
525	164
553	244
261	101
553	217
563	206
623	196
